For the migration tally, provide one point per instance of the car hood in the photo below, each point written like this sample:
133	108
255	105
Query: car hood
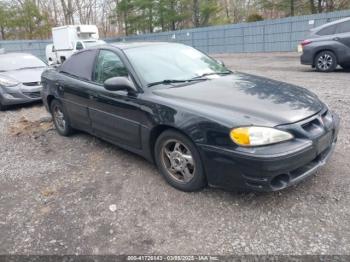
246	99
25	75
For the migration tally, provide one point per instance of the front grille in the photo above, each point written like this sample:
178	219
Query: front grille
32	83
32	94
312	125
317	126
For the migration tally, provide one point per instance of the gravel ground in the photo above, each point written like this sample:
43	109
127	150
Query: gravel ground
80	195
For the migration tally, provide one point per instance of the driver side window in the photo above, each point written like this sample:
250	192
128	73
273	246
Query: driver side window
108	65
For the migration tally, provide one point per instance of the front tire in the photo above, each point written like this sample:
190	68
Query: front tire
326	61
60	118
179	162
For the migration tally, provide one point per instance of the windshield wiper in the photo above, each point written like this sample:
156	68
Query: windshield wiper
174	81
213	73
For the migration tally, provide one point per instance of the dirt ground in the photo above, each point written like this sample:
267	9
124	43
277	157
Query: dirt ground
80	195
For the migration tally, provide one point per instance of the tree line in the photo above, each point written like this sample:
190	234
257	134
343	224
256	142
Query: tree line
33	19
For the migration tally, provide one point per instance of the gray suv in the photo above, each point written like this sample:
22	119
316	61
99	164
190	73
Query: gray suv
328	46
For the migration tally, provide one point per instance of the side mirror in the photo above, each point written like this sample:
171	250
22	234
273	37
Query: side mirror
119	83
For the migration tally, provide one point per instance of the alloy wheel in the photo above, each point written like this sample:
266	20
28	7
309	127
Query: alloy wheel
178	160
59	118
324	62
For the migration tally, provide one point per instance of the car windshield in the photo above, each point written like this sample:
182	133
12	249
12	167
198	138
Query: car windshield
10	62
171	62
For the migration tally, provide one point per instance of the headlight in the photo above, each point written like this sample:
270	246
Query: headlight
257	136
4	81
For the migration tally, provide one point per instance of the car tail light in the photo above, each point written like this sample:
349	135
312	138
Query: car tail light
305	42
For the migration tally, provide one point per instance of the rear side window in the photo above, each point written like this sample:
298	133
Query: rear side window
80	65
343	27
329	30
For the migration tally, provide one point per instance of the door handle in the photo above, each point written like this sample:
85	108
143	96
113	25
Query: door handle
336	38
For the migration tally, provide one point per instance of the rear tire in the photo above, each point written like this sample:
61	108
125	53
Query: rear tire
60	118
179	162
326	61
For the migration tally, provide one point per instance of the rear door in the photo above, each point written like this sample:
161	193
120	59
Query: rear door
75	87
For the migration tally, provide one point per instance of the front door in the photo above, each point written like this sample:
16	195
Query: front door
115	115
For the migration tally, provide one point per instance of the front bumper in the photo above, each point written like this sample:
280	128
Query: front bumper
20	95
269	171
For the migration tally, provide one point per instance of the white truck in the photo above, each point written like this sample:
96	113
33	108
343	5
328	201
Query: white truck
69	39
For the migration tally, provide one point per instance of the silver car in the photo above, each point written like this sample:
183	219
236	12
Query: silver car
20	76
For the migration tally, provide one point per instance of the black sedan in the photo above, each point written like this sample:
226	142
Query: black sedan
201	123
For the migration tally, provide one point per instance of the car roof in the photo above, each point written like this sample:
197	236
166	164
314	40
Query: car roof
330	23
129	45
